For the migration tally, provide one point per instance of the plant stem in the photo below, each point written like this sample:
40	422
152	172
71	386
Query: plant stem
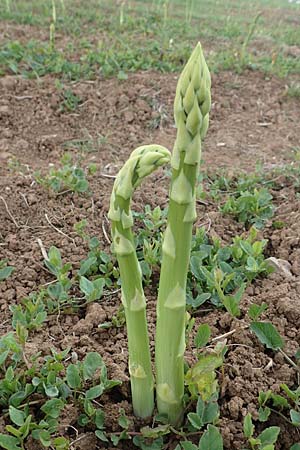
142	162
192	104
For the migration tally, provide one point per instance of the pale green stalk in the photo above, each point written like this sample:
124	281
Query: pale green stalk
142	162
52	26
191	108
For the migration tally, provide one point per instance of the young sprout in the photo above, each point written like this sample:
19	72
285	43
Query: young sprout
142	162
191	108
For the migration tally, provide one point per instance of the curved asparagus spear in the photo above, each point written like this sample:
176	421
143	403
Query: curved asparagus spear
191	108
142	162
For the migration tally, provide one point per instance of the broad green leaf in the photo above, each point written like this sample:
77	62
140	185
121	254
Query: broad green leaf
200	407
3	357
9	442
53	407
73	376
269	436
51	390
155	432
248	426
123	420
101	435
186	445
267	334
86	265
231	305
45	438
295	417
6	272
94	392
140	442
211	439
61	443
25	428
199	300
279	401
86	286
16	416
203	335
211	412
91	363
195	421
99	419
264	414
295	447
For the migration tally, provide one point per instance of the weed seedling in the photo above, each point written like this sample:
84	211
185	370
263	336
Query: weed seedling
5	270
69	178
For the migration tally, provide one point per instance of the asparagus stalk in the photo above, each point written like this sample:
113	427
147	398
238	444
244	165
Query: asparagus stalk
142	162
191	108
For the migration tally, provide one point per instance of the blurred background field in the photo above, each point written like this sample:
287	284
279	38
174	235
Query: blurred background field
112	38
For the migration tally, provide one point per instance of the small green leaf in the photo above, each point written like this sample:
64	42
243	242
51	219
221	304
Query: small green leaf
94	392
203	335
86	265
86	286
263	414
51	390
295	417
16	416
231	305
195	421
295	447
256	310
45	438
140	442
101	435
9	442
211	412
53	407
155	432
99	419
61	443
91	363
211	439
73	376
123	421
269	436
6	272
248	426
83	420
186	445
267	334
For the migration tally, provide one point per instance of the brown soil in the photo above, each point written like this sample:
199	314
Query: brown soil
252	120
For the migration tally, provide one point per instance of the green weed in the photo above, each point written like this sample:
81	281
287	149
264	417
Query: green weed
5	270
250	208
70	177
220	273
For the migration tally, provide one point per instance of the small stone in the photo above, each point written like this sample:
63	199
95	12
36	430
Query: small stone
83	326
281	266
95	314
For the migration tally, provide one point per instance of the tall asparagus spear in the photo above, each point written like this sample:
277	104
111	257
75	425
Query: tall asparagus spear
142	162
191	108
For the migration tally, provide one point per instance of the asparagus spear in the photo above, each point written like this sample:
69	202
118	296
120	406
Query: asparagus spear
142	162
191	108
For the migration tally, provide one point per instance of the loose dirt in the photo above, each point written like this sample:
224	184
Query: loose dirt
252	120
